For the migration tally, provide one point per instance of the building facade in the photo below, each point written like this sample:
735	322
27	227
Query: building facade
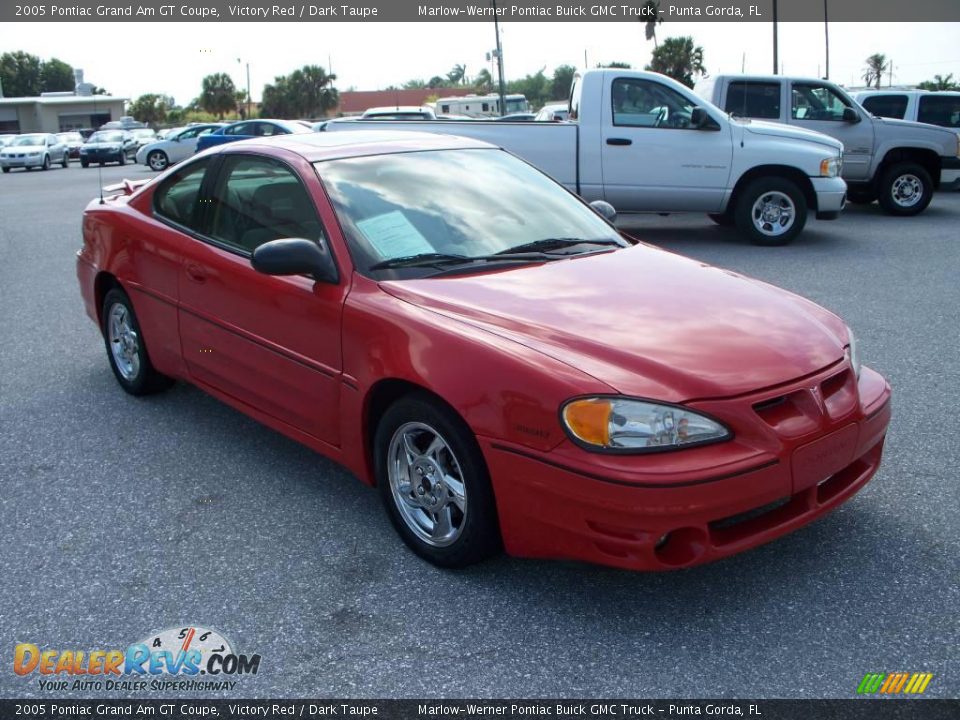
58	113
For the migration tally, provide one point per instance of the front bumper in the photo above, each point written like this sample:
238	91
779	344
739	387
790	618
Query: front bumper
668	515
22	162
950	174
831	196
99	156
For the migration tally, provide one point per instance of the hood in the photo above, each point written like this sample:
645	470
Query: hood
99	145
9	149
761	127
915	126
644	321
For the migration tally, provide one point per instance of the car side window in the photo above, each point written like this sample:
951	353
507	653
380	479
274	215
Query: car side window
888	106
649	104
943	110
187	134
576	92
177	198
241	129
759	100
816	102
258	199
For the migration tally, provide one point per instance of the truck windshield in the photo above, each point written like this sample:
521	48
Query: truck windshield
455	204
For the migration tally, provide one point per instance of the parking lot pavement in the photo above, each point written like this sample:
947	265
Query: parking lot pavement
120	517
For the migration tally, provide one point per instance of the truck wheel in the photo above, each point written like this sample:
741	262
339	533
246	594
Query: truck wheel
861	197
722	219
771	211
905	189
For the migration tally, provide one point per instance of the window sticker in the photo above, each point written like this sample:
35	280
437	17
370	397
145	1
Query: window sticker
393	236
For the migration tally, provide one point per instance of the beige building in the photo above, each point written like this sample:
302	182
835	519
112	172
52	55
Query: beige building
57	113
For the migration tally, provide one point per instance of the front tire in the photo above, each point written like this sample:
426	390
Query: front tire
64	161
46	163
123	159
126	347
771	211
157	160
906	189
434	483
84	163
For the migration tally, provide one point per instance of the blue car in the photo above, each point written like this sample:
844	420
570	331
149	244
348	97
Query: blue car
246	129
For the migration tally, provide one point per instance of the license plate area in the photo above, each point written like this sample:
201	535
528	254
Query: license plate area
816	461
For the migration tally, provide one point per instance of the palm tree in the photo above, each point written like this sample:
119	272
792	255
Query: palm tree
680	59
312	87
457	75
877	65
651	11
940	82
483	80
218	94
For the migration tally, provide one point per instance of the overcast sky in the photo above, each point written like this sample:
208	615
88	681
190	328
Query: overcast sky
130	59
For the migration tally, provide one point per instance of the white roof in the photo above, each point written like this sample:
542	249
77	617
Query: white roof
63	100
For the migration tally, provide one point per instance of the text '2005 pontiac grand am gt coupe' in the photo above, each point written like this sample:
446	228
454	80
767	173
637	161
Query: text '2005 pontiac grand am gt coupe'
462	332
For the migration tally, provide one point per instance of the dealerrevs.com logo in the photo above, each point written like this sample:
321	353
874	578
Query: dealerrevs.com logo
170	660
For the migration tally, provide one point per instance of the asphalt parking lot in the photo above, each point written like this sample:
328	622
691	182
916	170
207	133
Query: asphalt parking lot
121	517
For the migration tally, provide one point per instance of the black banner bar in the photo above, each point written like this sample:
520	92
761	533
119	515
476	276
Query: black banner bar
477	11
854	709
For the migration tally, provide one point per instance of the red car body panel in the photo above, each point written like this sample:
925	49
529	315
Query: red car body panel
505	350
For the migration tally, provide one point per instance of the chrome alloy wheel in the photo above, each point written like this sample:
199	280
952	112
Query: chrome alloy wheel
427	484
907	190
773	213
124	342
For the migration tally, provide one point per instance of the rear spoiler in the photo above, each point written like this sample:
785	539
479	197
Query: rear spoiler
127	187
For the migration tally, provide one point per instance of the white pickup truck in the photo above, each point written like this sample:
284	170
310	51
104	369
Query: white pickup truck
645	143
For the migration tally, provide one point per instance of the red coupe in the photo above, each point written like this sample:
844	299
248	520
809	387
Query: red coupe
484	347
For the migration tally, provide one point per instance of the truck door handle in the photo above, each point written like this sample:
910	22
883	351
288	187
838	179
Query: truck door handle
619	141
195	273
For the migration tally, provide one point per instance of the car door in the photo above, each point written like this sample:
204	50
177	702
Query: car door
652	158
185	144
271	342
820	107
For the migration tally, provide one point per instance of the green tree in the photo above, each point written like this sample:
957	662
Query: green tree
614	64
877	65
415	84
307	92
940	82
437	82
457	75
56	76
680	59
483	81
151	108
536	88
651	11
561	82
218	94
275	101
21	74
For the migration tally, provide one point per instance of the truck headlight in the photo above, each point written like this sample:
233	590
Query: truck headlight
831	167
617	424
854	351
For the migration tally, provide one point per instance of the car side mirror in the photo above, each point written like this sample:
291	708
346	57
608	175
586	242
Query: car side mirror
295	256
850	115
604	210
701	120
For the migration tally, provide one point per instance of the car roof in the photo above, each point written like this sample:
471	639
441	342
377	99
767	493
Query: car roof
319	146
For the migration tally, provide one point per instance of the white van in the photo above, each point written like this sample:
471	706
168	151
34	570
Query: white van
933	107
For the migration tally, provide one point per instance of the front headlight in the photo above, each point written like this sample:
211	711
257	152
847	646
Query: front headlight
831	167
855	361
616	424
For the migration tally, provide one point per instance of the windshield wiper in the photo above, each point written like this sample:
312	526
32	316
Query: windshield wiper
443	259
558	243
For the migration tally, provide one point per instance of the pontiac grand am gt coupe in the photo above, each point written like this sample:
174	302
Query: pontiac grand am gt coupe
464	333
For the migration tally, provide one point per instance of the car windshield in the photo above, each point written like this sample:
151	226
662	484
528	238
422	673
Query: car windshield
106	136
456	205
29	140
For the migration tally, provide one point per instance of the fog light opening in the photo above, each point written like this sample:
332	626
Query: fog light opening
681	547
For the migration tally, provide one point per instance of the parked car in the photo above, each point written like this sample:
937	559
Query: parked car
179	144
33	150
73	140
124	123
898	163
143	136
461	331
108	146
553	113
517	117
399	112
646	143
246	129
936	107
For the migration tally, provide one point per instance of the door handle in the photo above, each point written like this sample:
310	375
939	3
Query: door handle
619	141
195	273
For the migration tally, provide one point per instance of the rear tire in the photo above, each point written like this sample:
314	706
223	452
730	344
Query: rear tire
157	160
6	169
126	347
906	189
434	483
771	211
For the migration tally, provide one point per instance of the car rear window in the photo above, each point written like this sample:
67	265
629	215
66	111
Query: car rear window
889	106
941	110
754	100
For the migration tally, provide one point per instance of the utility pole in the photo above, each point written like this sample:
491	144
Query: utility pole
826	37
249	99
503	91
776	63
